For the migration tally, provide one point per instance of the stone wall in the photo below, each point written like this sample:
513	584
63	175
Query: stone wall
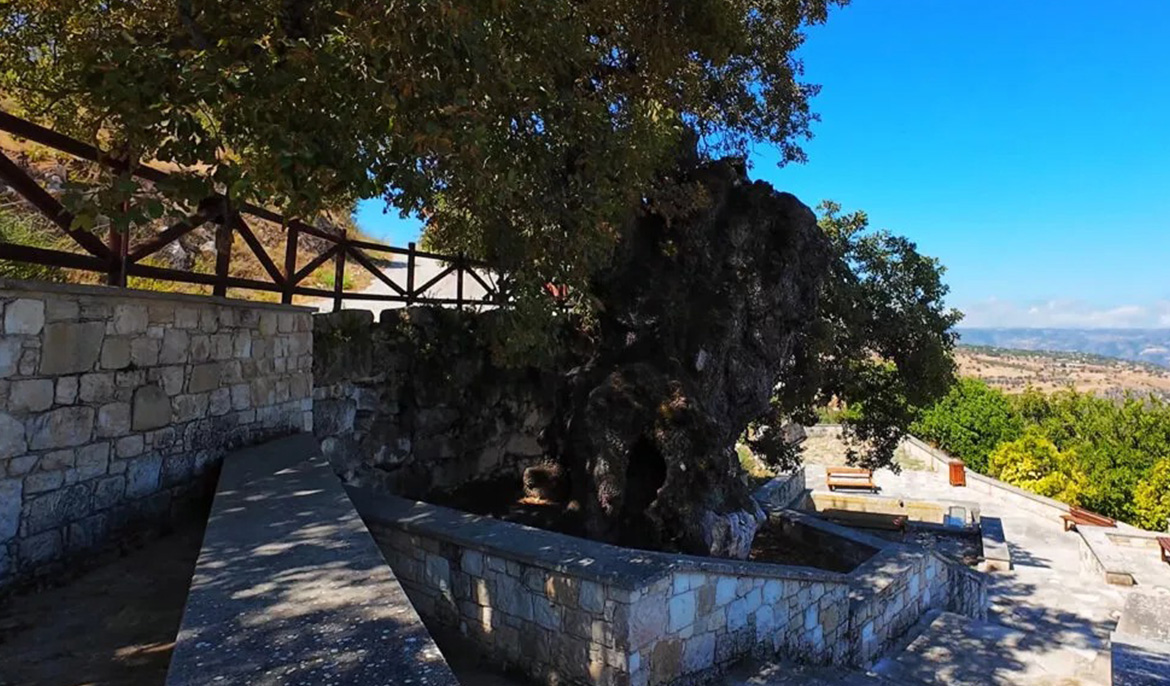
564	609
113	403
412	404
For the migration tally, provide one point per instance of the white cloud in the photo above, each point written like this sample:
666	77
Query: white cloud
1064	314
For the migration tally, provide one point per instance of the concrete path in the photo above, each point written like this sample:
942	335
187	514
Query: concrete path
290	588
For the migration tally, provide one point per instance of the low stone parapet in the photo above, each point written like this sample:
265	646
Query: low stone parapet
1141	643
116	405
568	609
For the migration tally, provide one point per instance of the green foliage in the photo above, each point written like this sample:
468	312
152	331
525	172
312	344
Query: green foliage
969	422
28	229
527	131
883	343
1034	463
1152	498
1082	449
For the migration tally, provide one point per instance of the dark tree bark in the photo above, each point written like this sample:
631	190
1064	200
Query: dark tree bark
704	312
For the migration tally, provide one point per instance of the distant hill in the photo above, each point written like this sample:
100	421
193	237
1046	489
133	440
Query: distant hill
1012	371
1151	346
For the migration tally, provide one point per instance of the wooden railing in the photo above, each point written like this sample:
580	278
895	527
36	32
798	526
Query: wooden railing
117	259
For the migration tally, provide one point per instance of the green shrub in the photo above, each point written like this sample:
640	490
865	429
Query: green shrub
1152	498
970	421
30	230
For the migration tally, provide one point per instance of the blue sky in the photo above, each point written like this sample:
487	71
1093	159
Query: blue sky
1025	144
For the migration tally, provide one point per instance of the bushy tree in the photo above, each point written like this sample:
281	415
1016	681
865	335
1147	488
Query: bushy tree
1034	463
526	131
1152	498
970	422
883	341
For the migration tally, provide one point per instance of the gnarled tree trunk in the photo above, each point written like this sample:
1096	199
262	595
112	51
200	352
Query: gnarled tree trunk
702	315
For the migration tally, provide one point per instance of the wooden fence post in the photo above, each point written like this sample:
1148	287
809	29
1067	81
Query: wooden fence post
459	282
118	244
223	250
292	233
410	294
339	273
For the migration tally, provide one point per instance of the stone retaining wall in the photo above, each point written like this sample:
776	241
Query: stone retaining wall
565	609
412	404
114	402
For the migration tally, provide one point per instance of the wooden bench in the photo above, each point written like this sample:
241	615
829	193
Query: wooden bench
1164	544
849	477
1077	515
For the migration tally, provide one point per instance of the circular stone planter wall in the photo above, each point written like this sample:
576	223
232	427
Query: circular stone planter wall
565	609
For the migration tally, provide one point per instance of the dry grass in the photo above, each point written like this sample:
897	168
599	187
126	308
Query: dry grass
1012	372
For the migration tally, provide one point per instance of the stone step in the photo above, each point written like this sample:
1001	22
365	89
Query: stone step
959	651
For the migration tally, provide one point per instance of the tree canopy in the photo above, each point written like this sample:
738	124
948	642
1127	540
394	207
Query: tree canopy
525	131
882	344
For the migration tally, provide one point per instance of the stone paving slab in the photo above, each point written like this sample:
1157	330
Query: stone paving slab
290	588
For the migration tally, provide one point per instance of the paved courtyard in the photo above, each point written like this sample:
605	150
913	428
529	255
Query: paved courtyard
1049	621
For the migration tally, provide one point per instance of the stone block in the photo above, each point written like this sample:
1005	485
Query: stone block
97	387
12	437
130	319
43	482
187	318
92	461
242	345
471	561
58	460
151	409
142	476
57	309
545	613
144	352
67	389
699	653
113	420
724	590
9	356
171	379
175	346
56	509
115	353
681	611
647	620
11	491
221	346
592	596
19	466
330	417
200	348
30	395
66	427
108	492
88	533
189	407
29	359
666	661
737	614
219	402
204	377
177	469
24	316
71	348
39	549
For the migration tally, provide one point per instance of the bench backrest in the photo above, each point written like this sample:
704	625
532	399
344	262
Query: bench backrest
843	471
1164	542
1092	517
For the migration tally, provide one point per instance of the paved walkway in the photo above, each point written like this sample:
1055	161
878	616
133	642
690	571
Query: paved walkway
290	588
1054	620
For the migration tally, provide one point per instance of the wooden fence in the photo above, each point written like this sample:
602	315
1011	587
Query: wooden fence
116	258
